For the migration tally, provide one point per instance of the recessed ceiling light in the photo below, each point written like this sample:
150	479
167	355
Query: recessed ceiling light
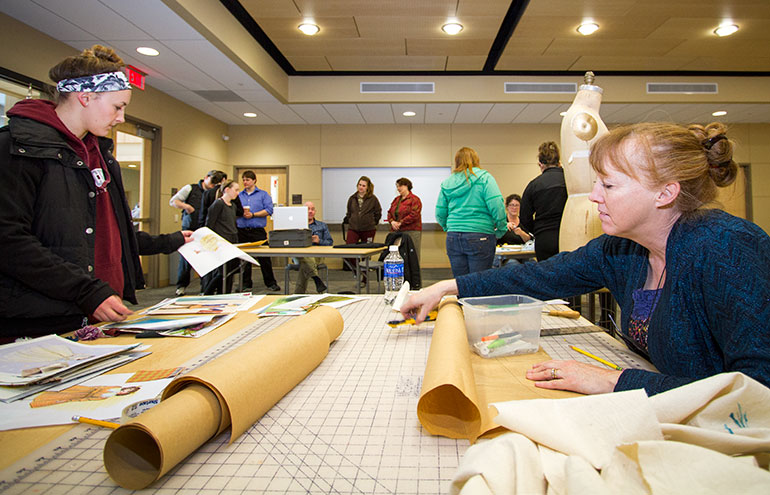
308	28
146	50
562	113
408	113
250	115
587	28
719	113
725	29
132	165
452	28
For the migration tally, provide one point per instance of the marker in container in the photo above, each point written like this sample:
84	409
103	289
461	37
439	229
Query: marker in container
495	336
501	341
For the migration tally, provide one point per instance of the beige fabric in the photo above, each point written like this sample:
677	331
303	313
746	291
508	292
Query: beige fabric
682	441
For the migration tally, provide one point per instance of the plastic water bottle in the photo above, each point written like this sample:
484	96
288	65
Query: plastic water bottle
394	274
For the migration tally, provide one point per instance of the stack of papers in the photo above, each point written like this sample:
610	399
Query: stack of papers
300	304
30	366
224	304
172	326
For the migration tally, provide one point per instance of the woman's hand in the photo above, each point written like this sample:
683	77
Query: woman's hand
420	304
112	309
573	376
395	225
512	226
187	235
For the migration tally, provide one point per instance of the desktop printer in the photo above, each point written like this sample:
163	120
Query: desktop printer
290	238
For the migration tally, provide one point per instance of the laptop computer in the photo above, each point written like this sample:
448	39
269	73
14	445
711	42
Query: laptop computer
289	217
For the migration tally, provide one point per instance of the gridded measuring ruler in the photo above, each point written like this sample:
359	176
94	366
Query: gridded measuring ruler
350	427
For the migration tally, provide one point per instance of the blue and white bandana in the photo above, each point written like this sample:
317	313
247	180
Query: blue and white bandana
97	83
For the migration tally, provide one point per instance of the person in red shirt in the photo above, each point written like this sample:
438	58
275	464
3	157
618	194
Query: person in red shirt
405	213
69	248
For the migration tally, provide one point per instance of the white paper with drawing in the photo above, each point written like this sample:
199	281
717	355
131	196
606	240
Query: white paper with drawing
208	251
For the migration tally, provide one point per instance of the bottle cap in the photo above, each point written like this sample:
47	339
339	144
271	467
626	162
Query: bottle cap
392	248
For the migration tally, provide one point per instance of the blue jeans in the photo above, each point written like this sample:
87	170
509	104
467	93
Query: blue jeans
470	252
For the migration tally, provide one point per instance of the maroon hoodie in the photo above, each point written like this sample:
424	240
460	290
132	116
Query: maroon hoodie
108	265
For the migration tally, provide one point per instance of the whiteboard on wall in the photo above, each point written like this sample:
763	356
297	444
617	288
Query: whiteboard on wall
340	183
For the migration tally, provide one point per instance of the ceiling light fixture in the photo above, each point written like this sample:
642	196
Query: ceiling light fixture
452	28
562	114
408	113
309	28
725	30
250	115
146	50
588	28
719	113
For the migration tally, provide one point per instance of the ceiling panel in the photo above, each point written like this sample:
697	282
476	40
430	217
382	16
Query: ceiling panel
534	114
363	63
102	22
344	113
154	18
313	114
377	113
520	62
472	113
409	8
450	47
341	47
53	25
504	113
441	113
223	69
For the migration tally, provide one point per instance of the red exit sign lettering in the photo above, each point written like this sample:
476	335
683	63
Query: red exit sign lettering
135	77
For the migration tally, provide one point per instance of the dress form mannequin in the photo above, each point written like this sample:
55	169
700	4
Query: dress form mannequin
579	128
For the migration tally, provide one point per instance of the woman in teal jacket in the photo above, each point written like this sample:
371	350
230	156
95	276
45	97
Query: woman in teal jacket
470	209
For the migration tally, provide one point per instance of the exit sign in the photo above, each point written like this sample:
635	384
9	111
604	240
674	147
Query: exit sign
135	77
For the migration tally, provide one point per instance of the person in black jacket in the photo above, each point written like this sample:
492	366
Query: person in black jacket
189	199
542	203
69	248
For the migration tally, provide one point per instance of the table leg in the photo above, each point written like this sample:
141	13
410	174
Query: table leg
368	275
358	275
287	278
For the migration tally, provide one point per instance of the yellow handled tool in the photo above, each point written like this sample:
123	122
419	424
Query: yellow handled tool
567	313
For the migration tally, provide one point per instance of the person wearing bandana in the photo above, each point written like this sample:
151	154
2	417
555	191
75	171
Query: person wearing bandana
69	249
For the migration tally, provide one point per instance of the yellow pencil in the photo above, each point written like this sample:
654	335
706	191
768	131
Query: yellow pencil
96	422
603	361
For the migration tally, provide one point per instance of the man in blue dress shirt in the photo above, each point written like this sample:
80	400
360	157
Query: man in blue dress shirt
257	206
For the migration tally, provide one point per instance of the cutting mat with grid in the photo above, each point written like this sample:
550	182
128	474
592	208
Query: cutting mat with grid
349	428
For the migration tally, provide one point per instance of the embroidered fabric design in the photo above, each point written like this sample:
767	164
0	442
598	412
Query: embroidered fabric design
644	304
97	83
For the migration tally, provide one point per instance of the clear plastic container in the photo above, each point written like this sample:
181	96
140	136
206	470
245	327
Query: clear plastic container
503	325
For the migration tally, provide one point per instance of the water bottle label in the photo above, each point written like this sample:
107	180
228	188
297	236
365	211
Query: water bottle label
394	270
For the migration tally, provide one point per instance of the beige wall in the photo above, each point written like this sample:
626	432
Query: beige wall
192	141
509	152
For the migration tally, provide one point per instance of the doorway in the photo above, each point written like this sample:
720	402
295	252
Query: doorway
137	147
